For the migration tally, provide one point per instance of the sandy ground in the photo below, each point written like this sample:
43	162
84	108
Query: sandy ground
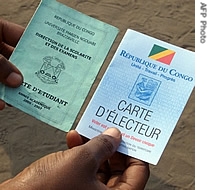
24	139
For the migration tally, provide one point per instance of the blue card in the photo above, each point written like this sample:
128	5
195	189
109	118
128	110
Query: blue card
143	93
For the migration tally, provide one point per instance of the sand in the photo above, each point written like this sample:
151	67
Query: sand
24	139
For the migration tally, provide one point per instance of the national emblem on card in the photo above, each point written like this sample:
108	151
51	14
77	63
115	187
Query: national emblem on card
161	54
50	70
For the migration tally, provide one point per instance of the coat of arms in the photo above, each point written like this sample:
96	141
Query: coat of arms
50	70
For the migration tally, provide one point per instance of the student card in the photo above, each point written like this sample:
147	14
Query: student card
59	54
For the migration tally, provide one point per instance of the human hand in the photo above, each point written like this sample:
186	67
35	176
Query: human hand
10	34
84	166
118	171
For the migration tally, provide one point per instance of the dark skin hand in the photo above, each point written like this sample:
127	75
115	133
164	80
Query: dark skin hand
84	166
92	165
10	34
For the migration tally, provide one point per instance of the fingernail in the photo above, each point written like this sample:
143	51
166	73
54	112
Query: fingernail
14	79
114	132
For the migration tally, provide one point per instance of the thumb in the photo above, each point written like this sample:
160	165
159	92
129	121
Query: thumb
103	146
74	168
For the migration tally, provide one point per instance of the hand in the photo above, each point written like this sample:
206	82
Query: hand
84	166
9	36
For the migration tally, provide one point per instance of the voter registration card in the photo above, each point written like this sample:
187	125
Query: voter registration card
142	93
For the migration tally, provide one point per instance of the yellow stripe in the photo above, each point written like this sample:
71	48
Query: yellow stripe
162	54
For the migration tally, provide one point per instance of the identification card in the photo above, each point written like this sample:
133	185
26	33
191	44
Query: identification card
59	54
142	93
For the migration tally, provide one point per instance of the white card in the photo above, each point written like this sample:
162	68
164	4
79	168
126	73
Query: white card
142	93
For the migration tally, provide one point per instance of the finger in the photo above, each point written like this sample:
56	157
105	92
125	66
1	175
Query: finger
6	50
102	147
136	167
128	179
103	173
10	33
9	74
2	104
118	164
73	139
